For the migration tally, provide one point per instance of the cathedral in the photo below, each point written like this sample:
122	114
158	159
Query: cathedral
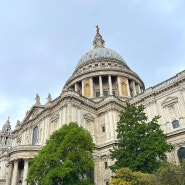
93	97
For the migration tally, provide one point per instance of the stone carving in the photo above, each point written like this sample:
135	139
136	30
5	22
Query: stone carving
18	124
97	30
37	100
49	98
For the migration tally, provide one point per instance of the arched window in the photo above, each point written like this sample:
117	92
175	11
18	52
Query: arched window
181	153
35	135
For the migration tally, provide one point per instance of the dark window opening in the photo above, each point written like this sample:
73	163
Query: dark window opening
5	141
98	94
175	124
105	93
103	129
106	165
181	153
35	134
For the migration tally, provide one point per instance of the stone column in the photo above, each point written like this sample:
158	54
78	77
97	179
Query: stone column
25	173
91	88
101	88
82	87
119	86
76	87
10	168
15	173
139	88
134	88
128	88
110	85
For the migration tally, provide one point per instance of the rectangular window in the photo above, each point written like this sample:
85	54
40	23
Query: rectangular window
103	129
105	93
106	165
98	94
35	135
175	124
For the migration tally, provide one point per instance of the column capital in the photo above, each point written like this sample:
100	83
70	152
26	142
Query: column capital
26	159
15	162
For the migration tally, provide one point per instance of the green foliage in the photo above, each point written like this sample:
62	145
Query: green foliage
141	144
171	174
167	174
65	158
125	176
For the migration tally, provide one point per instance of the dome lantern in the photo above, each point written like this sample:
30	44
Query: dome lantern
98	41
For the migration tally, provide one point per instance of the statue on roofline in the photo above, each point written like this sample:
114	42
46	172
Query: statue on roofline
37	99
97	29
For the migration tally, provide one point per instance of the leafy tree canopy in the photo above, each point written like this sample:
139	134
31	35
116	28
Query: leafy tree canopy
171	174
141	143
65	158
125	176
167	174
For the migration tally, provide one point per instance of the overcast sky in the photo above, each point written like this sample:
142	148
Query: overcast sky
41	42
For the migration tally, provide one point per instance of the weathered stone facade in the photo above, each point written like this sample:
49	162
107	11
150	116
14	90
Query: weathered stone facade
93	97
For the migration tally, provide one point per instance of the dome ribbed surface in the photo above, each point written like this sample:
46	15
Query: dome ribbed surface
100	53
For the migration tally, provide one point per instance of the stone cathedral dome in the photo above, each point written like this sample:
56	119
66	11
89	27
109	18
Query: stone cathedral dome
103	72
99	52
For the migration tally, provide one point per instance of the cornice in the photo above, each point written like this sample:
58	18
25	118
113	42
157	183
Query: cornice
124	70
171	85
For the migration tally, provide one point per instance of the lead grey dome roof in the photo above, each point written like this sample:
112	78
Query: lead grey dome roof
100	53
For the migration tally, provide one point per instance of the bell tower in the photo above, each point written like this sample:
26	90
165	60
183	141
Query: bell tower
5	134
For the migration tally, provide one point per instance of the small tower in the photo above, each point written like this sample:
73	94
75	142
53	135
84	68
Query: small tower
5	134
98	41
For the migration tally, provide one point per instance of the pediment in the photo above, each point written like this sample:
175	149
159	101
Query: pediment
33	112
88	117
169	101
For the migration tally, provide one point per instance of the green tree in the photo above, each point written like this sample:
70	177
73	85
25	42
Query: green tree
141	143
171	174
65	159
125	176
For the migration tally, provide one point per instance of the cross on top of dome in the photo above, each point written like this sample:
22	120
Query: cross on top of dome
98	41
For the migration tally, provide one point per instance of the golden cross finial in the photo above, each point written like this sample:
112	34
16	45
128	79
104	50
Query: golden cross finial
8	118
97	29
